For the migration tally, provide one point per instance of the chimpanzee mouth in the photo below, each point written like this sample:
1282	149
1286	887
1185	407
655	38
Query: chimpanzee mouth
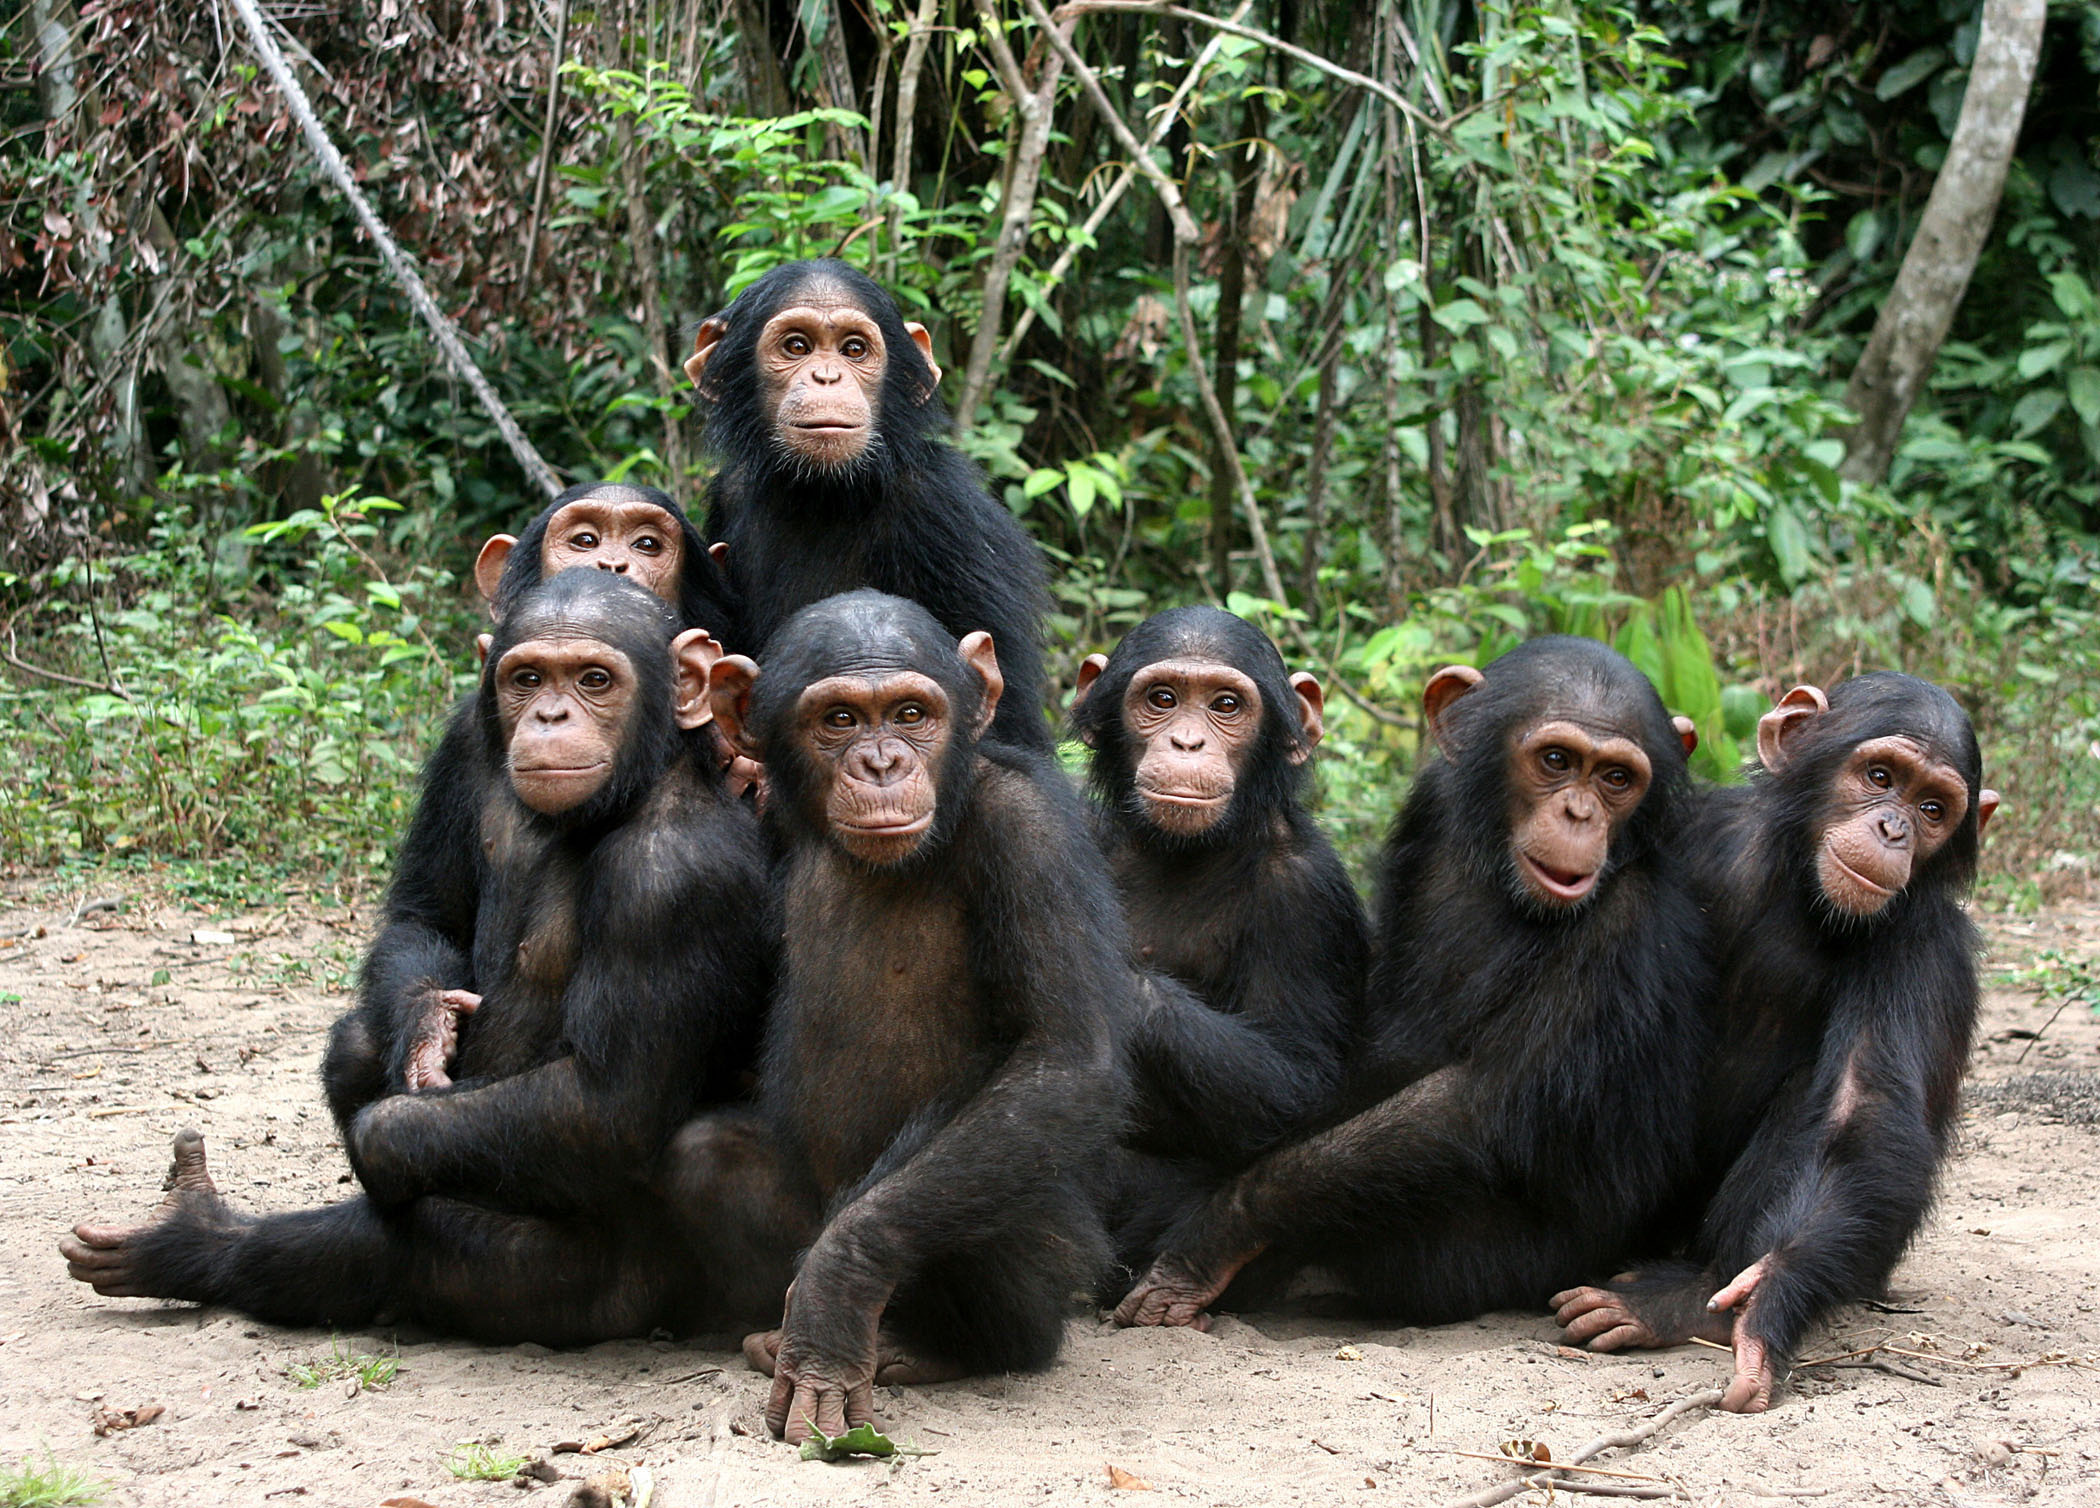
1185	798
557	771
821	428
1559	884
901	829
1884	891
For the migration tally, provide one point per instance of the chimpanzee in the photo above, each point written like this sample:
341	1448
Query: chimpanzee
940	1060
616	962
1201	743
1533	1007
834	474
415	991
1844	1011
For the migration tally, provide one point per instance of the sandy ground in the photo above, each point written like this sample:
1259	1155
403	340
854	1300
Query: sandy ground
117	1028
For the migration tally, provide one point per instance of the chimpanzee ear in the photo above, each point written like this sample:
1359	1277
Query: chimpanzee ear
1778	729
705	339
488	565
1090	670
978	652
1444	688
718	552
481	648
1986	805
1687	734
924	342
729	683
1312	714
693	655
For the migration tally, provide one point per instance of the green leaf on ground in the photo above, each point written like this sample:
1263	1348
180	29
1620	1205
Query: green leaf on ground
861	1440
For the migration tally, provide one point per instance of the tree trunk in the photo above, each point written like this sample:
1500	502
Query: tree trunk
765	90
1232	290
1957	221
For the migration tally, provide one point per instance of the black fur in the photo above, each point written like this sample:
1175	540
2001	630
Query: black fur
622	979
912	517
1529	1075
1256	940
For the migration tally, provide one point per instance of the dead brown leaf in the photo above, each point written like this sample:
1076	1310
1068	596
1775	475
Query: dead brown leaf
1127	1481
107	1421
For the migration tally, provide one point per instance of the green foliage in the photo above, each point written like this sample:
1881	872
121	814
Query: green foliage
861	1440
478	1461
342	1364
28	1485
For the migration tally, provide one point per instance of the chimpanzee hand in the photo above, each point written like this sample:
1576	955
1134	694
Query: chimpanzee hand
1175	1291
1756	1369
435	1040
824	1371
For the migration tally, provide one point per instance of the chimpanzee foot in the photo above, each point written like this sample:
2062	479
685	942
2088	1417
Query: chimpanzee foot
107	1257
1174	1291
895	1365
1756	1376
1625	1316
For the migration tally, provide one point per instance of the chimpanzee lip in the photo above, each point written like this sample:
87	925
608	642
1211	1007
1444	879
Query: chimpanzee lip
557	770
1567	890
1183	798
831	428
1873	885
890	829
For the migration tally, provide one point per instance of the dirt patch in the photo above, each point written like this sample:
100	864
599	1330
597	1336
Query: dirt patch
117	1027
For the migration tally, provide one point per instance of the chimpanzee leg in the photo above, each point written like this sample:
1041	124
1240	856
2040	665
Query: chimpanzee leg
744	1205
1148	1196
353	1070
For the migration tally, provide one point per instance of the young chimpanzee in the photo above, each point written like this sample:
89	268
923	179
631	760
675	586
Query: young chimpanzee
1846	1003
834	475
940	1061
614	954
416	990
1534	1016
1235	899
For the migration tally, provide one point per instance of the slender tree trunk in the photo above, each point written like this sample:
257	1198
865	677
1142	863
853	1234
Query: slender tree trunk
765	90
1225	365
835	87
1951	234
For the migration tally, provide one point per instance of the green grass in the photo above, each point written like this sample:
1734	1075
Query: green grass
48	1486
472	1461
369	1370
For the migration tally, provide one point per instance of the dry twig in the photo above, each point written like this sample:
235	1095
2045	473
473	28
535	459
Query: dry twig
1502	1492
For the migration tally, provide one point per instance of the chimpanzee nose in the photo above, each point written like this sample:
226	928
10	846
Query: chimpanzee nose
1894	829
1188	743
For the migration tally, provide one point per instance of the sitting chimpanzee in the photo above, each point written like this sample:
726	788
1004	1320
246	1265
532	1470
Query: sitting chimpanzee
1235	898
1533	1012
834	475
415	990
940	1078
614	955
1847	998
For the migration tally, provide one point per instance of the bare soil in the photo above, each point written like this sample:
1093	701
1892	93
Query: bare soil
119	1026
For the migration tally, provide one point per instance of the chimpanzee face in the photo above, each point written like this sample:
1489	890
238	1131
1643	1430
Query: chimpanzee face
1196	722
1891	808
628	537
566	704
1570	789
879	743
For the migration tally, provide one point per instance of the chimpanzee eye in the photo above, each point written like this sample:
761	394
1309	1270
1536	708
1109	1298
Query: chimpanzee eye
594	679
1227	704
854	347
1557	761
909	714
526	680
1880	776
1932	811
584	540
838	717
648	544
1161	697
797	345
1618	777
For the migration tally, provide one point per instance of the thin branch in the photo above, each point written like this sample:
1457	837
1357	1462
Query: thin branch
907	108
539	186
1289	49
1502	1492
404	271
15	659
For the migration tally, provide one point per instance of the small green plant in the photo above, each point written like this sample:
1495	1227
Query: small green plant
28	1485
476	1461
341	1363
861	1440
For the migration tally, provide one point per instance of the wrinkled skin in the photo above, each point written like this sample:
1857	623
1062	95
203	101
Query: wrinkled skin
436	1039
610	530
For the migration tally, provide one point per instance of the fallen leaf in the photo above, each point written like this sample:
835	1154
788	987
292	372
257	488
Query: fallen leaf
207	935
1535	1451
1348	1353
861	1440
106	1421
405	1503
1118	1477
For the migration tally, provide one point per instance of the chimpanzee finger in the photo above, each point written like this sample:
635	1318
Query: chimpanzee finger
860	1405
830	1401
777	1405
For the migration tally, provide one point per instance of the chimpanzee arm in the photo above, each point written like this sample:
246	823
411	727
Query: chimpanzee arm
1831	1190
657	982
425	940
1220	1084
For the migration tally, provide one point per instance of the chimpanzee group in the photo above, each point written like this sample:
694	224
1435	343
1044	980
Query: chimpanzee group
750	959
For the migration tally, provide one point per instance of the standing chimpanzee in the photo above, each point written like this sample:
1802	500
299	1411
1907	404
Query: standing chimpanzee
940	1065
1201	744
1534	1015
1847	998
834	475
415	992
615	958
